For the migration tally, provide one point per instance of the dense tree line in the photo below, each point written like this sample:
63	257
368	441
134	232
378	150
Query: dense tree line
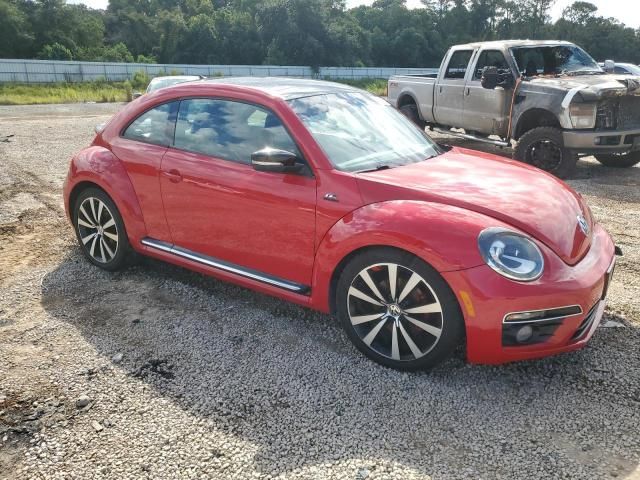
294	32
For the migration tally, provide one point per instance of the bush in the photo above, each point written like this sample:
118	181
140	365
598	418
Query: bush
140	80
128	89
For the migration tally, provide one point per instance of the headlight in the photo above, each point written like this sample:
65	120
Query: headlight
511	254
583	115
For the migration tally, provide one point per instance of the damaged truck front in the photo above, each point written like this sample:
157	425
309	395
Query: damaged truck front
549	97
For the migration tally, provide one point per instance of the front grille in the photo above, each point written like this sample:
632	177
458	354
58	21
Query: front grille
586	324
629	113
622	113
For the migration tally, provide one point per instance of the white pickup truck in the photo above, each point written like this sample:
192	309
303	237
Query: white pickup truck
550	97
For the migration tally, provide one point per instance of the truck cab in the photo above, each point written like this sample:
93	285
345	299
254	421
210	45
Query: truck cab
550	98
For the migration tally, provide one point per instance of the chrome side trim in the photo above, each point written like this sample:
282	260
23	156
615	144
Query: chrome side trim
504	319
226	266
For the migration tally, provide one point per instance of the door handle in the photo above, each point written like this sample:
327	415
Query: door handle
173	175
468	91
440	88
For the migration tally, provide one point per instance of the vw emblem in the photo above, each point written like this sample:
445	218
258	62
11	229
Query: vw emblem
584	226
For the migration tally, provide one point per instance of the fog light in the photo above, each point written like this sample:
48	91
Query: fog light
524	333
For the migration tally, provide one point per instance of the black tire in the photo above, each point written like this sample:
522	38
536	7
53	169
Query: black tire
410	111
431	292
619	160
107	224
543	147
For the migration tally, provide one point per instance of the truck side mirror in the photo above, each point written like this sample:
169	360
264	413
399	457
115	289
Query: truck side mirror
492	77
489	79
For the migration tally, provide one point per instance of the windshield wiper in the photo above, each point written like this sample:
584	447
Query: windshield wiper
375	169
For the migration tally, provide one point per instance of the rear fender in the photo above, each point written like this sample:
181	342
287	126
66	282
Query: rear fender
99	166
443	236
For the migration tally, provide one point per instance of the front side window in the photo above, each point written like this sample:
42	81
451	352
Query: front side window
490	58
554	60
154	126
360	132
458	64
229	130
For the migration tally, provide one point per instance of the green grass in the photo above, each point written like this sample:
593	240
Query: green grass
20	94
102	91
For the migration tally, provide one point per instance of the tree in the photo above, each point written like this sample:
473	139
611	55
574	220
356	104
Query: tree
56	51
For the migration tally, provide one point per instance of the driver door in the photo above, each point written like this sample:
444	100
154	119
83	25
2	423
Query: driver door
487	111
219	207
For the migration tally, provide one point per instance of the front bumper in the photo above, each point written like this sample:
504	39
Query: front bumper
602	141
486	298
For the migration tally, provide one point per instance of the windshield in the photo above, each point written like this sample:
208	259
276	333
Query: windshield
360	132
554	60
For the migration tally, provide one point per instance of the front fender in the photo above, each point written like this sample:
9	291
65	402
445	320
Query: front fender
442	235
99	166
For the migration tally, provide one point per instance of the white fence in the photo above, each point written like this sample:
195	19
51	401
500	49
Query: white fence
48	71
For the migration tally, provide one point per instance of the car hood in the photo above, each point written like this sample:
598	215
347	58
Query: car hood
597	86
529	199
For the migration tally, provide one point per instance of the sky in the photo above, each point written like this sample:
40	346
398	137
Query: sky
626	11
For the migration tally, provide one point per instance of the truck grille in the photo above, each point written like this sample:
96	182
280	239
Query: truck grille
622	113
629	113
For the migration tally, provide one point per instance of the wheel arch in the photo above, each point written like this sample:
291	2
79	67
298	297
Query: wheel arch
413	227
534	118
407	98
97	167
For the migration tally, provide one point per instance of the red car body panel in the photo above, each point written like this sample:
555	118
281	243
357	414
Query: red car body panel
282	224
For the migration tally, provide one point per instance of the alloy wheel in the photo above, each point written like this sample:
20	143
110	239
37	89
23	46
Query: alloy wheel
545	154
98	230
394	311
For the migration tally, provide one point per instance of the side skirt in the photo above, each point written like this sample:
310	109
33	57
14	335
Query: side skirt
227	266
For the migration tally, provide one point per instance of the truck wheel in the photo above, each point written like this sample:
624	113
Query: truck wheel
619	160
411	112
543	147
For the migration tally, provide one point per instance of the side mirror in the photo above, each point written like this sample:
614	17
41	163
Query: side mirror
273	160
136	95
489	79
609	66
492	78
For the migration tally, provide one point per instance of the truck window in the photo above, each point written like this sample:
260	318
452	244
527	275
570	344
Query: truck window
458	64
490	58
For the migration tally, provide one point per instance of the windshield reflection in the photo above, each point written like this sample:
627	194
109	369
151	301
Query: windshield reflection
361	132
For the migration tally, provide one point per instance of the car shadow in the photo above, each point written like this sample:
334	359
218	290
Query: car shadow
251	364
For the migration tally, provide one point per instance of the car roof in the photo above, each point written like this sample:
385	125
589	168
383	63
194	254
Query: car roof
176	77
286	88
513	43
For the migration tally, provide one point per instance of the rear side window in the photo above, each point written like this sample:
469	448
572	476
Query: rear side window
229	130
458	64
154	126
490	58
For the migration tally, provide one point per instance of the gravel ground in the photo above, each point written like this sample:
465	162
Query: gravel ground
158	372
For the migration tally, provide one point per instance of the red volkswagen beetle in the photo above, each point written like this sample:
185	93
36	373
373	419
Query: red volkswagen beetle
324	195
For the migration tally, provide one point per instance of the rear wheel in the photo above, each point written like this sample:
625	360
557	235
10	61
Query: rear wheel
410	111
619	160
100	230
398	310
543	147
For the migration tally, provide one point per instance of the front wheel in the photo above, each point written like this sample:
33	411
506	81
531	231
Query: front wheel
619	160
398	310
543	147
